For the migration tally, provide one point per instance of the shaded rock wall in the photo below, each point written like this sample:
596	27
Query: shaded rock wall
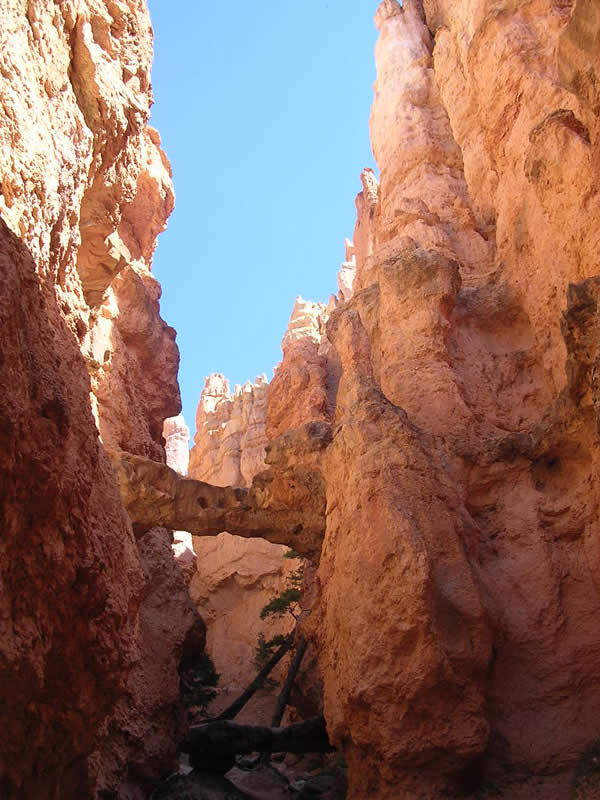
71	577
84	191
141	737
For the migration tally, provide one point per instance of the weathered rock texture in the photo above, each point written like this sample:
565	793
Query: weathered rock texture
234	579
302	388
433	432
455	617
229	444
283	504
142	735
71	576
84	191
177	441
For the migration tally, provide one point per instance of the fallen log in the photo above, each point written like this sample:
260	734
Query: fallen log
197	786
213	745
284	695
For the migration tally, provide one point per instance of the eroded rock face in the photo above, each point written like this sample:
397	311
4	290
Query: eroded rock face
142	735
229	444
303	388
236	577
426	439
177	440
460	497
84	191
85	185
71	573
284	504
456	588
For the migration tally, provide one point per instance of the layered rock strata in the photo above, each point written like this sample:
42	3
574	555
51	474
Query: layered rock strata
90	684
432	433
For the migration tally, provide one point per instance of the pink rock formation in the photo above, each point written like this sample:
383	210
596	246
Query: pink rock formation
235	578
366	207
455	612
142	735
347	272
301	389
285	504
177	441
229	444
446	406
71	575
86	189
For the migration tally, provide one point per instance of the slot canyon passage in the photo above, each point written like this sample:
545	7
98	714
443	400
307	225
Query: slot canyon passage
428	442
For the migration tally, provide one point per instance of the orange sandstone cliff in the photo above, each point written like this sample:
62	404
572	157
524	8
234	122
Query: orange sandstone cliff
432	432
92	621
456	617
457	601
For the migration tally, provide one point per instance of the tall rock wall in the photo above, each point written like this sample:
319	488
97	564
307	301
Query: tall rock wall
457	593
84	191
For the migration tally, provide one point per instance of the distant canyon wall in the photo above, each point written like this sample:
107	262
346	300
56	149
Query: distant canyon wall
235	577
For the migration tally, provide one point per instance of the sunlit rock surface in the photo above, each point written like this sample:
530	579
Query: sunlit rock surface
455	621
430	437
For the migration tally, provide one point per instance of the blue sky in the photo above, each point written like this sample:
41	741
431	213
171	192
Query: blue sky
263	110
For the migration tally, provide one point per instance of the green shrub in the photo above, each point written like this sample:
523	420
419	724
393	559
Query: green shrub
198	684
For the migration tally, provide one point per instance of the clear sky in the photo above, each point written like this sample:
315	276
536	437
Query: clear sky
263	110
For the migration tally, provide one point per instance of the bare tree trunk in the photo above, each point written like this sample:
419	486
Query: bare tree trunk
284	695
234	709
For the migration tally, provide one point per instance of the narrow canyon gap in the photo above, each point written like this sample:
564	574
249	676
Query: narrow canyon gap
429	440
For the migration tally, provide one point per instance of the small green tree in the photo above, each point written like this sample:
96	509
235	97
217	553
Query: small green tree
198	683
269	652
286	602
